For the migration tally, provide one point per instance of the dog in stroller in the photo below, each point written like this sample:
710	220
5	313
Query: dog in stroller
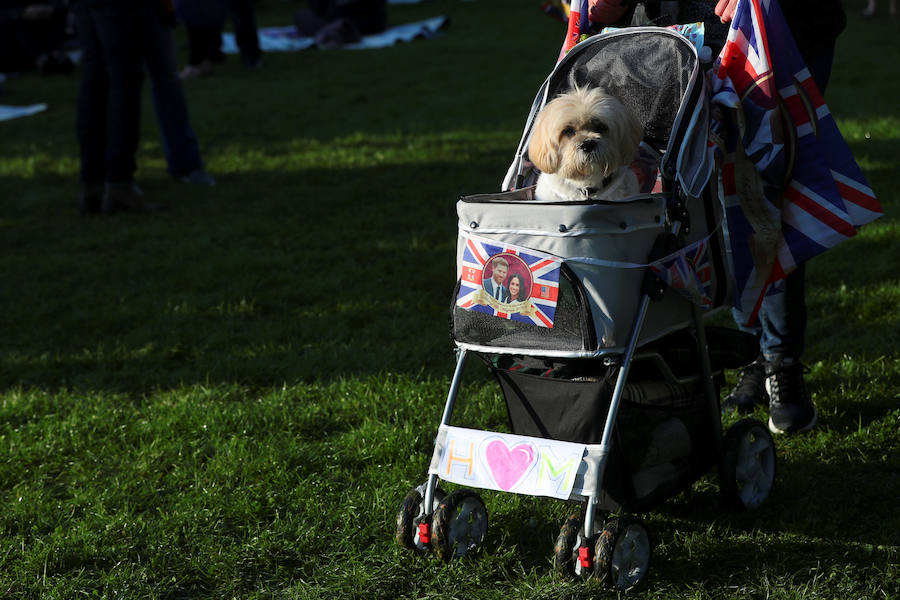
609	373
583	143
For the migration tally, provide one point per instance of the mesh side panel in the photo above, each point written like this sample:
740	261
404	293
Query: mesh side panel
572	326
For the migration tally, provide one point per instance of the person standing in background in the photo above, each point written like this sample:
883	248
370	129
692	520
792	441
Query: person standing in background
109	102
776	376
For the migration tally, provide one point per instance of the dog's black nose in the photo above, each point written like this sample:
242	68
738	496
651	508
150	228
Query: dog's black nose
587	146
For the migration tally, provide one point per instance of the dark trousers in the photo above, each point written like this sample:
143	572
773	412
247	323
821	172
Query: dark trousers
245	35
204	43
109	99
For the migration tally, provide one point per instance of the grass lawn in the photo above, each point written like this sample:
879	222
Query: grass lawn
229	399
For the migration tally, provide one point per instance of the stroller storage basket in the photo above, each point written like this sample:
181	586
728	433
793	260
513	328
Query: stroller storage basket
663	438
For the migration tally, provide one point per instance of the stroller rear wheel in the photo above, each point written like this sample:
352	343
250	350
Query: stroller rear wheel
412	512
622	553
459	525
747	468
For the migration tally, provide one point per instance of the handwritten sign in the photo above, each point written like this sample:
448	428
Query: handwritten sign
506	462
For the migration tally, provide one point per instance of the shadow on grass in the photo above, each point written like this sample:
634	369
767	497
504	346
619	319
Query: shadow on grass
268	278
781	561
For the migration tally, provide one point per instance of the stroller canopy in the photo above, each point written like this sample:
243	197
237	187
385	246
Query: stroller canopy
655	72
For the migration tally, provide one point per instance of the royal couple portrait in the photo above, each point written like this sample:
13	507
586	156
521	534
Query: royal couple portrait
502	285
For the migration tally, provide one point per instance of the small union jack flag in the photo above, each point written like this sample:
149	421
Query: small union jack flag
578	26
528	280
813	194
688	272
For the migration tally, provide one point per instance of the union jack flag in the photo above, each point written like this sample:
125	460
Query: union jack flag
688	272
538	273
579	26
801	189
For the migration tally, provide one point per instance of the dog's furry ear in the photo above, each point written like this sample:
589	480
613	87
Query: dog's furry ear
543	148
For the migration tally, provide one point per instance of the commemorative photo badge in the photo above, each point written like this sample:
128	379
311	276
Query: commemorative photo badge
509	282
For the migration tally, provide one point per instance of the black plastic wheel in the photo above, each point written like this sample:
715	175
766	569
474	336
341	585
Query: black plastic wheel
622	553
565	551
411	513
459	525
747	466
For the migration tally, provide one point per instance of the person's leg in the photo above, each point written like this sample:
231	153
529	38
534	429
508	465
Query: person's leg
214	41
178	139
90	121
783	320
198	44
870	10
118	27
782	317
245	34
199	52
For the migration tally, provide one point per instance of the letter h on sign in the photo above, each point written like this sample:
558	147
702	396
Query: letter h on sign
468	461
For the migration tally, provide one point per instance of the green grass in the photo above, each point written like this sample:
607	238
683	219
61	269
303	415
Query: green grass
229	399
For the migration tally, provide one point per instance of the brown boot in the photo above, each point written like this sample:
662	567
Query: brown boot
126	197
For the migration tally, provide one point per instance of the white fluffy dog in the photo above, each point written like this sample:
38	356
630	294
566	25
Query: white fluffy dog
583	142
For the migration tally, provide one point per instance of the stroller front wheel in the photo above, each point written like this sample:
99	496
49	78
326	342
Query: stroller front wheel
459	525
565	551
411	513
622	553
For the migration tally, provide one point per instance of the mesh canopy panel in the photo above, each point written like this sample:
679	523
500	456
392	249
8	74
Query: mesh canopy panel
656	73
650	73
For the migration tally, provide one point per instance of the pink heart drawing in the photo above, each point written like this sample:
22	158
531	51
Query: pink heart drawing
508	466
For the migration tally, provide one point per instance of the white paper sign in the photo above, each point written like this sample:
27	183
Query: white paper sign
508	463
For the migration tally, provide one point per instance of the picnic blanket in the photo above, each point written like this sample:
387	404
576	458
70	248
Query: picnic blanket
7	113
286	39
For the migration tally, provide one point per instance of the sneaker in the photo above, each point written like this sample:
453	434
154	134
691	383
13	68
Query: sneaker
198	177
791	409
750	389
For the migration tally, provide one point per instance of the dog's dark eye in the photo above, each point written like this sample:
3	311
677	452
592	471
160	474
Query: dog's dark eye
568	131
598	127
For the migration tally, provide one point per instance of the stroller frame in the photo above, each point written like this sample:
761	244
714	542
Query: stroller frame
596	455
455	524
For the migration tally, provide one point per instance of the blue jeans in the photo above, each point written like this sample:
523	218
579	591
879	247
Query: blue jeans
782	317
109	97
178	140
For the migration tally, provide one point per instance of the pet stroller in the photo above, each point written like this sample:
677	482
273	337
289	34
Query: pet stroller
610	377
